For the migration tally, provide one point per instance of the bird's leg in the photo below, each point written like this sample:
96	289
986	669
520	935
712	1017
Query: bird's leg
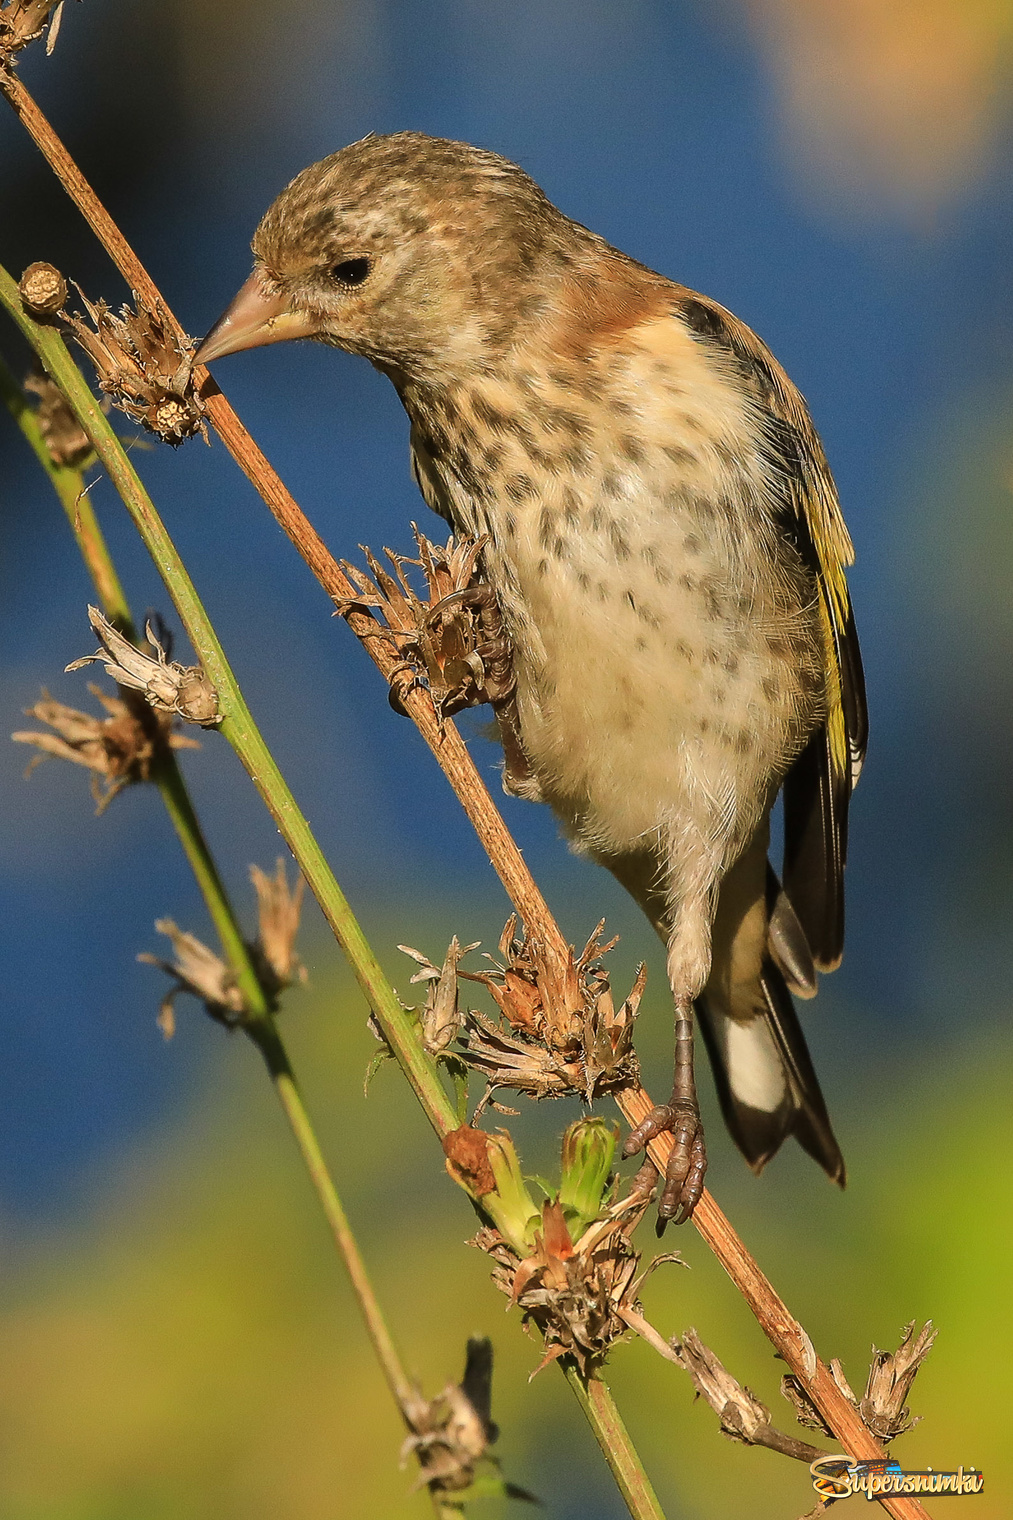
680	1116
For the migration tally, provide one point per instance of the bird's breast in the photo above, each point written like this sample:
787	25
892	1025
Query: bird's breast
665	633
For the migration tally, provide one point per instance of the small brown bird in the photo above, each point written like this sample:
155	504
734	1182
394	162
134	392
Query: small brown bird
667	549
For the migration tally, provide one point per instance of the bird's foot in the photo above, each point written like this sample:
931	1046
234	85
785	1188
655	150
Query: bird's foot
687	1163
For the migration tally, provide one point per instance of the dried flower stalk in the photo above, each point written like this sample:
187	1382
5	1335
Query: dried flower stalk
882	1406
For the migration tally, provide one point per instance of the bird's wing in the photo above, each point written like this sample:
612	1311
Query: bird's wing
818	789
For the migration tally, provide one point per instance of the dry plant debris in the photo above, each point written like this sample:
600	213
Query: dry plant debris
553	1039
743	1417
441	1018
199	971
451	1435
64	437
882	1406
120	749
141	366
166	685
22	21
450	643
568	1264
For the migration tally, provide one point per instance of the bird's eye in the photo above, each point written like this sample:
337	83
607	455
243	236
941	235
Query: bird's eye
351	271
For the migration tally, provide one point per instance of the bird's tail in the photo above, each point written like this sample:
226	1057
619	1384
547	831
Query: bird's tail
764	1075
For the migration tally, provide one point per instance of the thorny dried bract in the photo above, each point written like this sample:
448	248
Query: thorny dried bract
21	21
556	1035
119	749
882	1406
185	690
451	1434
199	971
141	367
569	1265
450	643
66	440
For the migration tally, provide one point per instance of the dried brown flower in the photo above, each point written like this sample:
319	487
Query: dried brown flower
119	749
441	1017
451	640
167	686
43	289
554	1037
63	435
201	972
21	21
279	908
882	1406
142	367
197	970
451	1434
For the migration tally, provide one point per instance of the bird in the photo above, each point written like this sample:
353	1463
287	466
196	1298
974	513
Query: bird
668	551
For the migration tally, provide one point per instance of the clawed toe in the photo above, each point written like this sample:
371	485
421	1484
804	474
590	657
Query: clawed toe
687	1163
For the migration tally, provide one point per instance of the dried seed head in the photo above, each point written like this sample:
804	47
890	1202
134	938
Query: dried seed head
43	290
441	1017
279	909
143	367
167	686
558	1033
741	1414
199	971
119	749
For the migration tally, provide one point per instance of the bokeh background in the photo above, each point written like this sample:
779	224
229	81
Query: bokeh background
176	1339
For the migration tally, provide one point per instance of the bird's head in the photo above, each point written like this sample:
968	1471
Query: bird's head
425	255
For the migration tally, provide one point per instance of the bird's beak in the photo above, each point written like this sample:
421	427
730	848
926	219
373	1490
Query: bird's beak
255	317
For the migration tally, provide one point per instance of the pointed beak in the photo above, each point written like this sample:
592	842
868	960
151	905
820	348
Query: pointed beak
256	316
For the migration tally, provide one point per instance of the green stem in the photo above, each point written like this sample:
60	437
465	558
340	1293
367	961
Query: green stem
68	483
595	1398
237	723
242	733
266	1037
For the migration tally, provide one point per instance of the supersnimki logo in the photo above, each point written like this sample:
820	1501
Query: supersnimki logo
837	1477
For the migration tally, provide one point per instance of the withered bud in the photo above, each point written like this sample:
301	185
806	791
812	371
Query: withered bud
167	686
63	435
441	1016
143	367
43	290
279	908
890	1377
199	971
119	749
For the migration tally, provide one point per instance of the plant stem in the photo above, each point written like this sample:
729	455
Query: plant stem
68	483
595	1398
266	1038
